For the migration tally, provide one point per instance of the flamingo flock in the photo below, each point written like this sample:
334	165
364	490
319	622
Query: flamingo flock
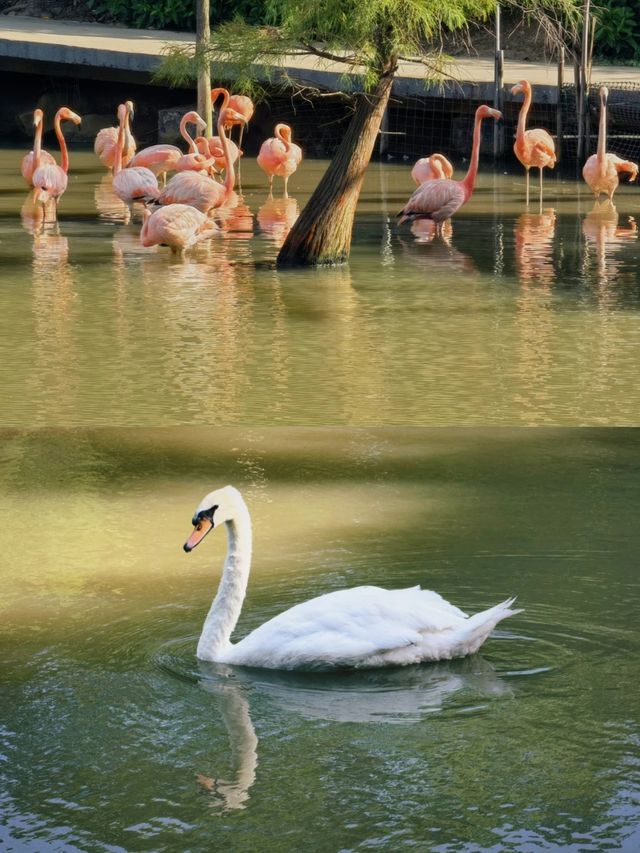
178	212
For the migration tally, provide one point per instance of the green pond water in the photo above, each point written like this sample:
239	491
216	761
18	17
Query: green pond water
114	738
515	318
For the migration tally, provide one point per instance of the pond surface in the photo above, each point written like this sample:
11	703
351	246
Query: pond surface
514	318
114	739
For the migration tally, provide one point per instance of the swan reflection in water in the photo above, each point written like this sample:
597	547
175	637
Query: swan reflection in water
534	243
601	230
391	695
277	216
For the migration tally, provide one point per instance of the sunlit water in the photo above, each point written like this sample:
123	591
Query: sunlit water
513	318
115	739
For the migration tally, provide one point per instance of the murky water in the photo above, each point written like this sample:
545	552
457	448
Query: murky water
114	738
513	318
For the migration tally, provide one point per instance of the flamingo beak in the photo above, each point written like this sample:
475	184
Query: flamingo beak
200	530
496	114
515	90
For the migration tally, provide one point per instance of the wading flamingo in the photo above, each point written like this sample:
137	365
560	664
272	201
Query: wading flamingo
431	168
178	226
534	148
601	169
50	180
361	627
279	156
244	106
106	142
162	158
37	157
198	190
440	199
135	183
193	161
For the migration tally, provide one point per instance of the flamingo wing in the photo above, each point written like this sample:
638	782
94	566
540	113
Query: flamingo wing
436	199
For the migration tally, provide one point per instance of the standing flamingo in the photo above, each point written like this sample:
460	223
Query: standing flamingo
601	169
440	199
50	180
135	183
106	142
162	158
242	105
432	168
37	157
279	156
535	147
178	226
198	190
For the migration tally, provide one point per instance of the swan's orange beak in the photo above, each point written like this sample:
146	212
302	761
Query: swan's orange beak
200	530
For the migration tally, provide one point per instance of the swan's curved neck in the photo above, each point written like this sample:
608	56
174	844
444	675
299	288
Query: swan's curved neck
226	607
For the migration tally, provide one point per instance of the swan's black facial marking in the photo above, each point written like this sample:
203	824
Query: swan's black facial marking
206	514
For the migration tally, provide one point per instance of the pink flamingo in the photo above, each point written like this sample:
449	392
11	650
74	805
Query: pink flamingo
193	161
198	190
533	148
279	156
135	183
178	226
37	157
440	199
242	105
601	169
50	180
431	168
106	142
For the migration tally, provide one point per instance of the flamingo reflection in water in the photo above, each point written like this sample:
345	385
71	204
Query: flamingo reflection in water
402	695
602	230
277	216
433	248
534	241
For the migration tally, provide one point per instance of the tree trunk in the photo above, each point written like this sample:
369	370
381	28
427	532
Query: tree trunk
203	37
322	233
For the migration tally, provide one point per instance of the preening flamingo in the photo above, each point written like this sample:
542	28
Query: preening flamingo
440	199
601	169
360	627
37	157
135	183
431	168
178	226
160	159
50	180
242	105
198	190
106	142
193	161
533	148
279	155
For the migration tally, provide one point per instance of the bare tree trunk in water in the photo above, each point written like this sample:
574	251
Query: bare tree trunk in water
203	37
322	233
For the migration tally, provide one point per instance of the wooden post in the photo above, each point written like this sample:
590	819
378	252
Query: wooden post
203	37
559	104
498	82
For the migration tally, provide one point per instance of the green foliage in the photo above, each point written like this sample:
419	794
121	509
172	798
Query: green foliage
172	14
617	34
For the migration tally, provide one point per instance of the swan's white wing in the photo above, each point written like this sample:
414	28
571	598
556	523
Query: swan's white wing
347	626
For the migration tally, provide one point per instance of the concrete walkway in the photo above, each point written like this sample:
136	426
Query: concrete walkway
99	50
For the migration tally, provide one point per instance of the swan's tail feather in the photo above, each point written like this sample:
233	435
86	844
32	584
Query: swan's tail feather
478	627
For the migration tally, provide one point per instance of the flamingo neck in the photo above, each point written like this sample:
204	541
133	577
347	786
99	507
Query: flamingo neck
64	154
37	144
226	606
230	176
284	135
524	112
117	160
602	137
469	180
184	121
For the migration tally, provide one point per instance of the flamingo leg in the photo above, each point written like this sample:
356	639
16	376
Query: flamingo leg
270	185
240	140
286	181
541	187
527	170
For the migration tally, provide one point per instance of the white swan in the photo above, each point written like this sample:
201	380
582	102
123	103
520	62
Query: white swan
365	626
